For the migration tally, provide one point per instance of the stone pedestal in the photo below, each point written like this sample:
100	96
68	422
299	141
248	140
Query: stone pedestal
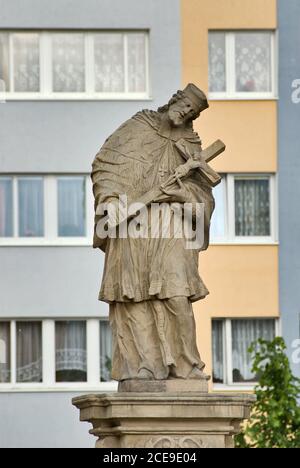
164	419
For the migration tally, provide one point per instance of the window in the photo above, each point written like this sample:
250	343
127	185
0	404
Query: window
71	207
74	64
30	207
218	222
105	351
245	209
55	354
241	64
5	364
252	207
68	64
25	58
6	208
4	62
45	209
29	352
71	351
231	340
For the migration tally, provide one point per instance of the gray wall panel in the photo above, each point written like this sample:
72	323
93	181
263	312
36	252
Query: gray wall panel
289	172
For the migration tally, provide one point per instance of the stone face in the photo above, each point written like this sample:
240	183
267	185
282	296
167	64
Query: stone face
164	420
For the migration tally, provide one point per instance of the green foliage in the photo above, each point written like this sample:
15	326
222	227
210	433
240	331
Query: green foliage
275	416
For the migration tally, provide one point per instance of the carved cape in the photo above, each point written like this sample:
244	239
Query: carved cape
138	156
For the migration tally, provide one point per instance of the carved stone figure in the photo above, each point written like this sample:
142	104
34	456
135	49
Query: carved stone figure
151	283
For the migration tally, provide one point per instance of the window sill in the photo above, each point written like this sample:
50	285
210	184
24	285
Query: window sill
234	388
250	241
63	388
74	97
242	97
85	242
43	242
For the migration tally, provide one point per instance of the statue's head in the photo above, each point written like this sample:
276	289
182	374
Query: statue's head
185	106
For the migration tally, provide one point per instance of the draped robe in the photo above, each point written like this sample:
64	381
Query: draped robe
149	283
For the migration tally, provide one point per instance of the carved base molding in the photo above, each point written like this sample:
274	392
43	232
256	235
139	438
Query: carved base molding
164	420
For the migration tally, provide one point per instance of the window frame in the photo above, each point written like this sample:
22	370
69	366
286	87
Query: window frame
227	351
49	383
229	211
50	192
45	59
231	93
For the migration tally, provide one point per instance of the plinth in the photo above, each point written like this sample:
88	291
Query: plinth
164	419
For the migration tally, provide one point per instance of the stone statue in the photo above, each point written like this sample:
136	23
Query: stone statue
151	283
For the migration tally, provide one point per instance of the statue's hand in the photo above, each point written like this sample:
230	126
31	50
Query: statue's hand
176	191
184	170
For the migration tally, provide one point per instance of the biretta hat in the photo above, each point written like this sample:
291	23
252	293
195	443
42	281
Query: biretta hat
197	96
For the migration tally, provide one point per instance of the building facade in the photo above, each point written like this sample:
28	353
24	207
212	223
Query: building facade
289	169
73	72
233	54
70	79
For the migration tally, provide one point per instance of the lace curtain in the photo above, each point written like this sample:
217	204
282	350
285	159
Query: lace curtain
68	63
218	355
105	351
244	332
71	352
252	208
217	229
31	207
253	62
217	62
4	352
29	352
6	202
109	63
26	56
4	62
71	207
136	63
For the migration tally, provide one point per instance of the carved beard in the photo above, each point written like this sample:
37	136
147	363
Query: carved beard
175	118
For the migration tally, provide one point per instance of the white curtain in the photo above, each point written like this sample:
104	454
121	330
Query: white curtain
68	63
71	353
217	62
4	352
71	207
29	352
218	357
105	351
109	62
244	333
252	207
253	62
136	63
4	62
26	56
31	207
6	208
217	228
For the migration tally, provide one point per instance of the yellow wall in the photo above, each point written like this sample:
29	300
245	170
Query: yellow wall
242	279
247	127
198	16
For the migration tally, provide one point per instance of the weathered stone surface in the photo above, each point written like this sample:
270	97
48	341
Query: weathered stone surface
151	280
162	386
164	420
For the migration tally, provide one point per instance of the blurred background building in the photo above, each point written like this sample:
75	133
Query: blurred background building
72	72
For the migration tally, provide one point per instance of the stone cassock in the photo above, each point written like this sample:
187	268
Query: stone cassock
151	283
